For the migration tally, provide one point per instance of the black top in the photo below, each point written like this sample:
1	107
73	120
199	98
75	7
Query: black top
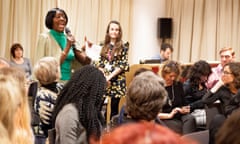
175	98
193	93
229	101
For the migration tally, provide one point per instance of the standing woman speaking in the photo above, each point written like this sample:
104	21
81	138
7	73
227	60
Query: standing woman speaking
57	44
114	63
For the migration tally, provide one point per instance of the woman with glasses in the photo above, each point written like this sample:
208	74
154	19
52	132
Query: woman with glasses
227	90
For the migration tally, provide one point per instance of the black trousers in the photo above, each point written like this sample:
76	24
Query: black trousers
214	125
114	106
185	125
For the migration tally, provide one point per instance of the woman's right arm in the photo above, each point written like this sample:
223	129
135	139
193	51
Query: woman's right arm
212	95
169	115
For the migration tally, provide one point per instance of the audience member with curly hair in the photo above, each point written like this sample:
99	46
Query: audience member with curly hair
77	114
195	88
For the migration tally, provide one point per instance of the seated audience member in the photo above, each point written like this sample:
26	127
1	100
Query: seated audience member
142	133
122	114
227	55
145	98
227	90
229	131
17	60
47	72
10	99
3	63
175	113
77	113
23	133
195	89
166	51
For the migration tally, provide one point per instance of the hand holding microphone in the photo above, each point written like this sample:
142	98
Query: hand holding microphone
79	54
70	37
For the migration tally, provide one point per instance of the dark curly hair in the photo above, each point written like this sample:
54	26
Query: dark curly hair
85	90
51	14
198	69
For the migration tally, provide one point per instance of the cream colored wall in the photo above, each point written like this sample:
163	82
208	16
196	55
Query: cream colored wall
144	42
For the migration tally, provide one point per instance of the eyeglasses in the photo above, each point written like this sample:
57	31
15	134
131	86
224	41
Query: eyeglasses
226	72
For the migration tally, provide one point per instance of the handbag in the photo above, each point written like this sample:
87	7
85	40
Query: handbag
200	116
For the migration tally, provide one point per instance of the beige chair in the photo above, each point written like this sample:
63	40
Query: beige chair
108	115
121	103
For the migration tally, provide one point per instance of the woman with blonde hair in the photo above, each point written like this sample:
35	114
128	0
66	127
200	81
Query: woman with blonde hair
9	96
175	113
47	72
22	119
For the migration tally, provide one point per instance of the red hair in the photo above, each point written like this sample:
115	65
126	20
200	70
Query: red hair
143	133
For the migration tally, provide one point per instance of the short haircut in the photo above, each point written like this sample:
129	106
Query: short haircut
227	49
51	14
145	96
47	70
164	47
14	47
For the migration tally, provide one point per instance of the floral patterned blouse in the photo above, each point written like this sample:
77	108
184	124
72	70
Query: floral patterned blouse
117	87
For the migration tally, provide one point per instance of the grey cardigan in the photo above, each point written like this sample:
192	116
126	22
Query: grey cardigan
69	130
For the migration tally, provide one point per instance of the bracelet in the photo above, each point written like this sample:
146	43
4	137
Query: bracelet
63	53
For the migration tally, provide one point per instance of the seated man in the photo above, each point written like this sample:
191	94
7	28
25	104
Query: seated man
227	55
165	52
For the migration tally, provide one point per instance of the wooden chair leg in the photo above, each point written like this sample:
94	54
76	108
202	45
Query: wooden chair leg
108	110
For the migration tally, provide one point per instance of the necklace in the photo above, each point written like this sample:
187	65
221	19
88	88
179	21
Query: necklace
173	97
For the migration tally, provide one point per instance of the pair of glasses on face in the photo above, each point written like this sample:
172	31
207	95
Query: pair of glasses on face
226	73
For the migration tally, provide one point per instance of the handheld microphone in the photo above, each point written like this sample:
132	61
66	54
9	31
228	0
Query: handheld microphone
68	32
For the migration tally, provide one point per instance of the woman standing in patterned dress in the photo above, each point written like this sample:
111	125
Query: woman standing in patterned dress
113	63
